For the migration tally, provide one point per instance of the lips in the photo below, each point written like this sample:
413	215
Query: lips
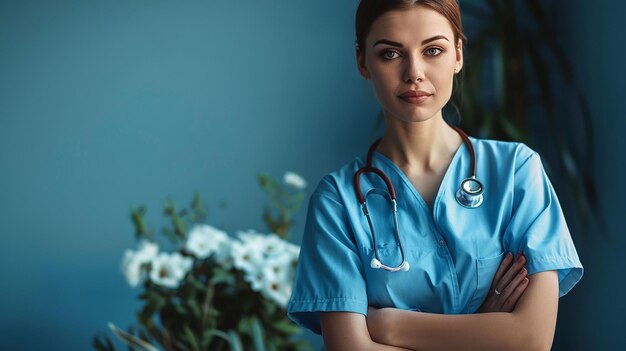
414	97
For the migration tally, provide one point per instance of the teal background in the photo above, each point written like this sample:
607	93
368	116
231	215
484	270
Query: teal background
104	105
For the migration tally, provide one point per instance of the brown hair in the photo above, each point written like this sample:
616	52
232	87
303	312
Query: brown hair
369	10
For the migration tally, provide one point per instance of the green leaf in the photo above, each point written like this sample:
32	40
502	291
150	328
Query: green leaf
169	207
257	334
156	298
269	184
235	341
222	276
243	326
231	337
191	338
209	334
199	212
264	180
302	345
197	284
102	342
194	307
131	340
154	303
137	217
179	226
269	307
180	346
180	309
286	327
193	282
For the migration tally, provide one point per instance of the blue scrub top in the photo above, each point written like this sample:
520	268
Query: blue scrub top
453	251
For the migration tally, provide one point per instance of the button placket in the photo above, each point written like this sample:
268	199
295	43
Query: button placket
442	249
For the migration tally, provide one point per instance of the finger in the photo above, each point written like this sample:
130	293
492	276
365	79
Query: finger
511	301
504	266
508	290
512	272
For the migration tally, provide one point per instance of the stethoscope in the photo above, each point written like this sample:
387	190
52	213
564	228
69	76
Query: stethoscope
469	195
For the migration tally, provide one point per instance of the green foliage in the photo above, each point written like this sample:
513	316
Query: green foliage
285	202
213	307
518	80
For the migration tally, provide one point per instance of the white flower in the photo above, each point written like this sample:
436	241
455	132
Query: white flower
268	263
256	279
134	263
247	253
278	267
224	258
272	245
204	241
277	292
267	270
277	286
279	271
169	269
250	235
295	180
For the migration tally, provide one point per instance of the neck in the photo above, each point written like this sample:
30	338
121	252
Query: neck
419	147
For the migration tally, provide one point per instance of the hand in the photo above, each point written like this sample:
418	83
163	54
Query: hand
511	281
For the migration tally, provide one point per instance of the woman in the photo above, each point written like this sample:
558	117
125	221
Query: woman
364	288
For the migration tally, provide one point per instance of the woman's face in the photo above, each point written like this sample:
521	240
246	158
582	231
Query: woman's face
411	59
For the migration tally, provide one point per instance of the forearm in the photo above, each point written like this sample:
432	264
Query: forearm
363	345
529	327
383	347
430	332
348	331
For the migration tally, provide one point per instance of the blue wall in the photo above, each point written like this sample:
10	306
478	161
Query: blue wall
108	104
594	316
105	104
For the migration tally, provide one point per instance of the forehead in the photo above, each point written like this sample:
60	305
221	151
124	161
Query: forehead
412	24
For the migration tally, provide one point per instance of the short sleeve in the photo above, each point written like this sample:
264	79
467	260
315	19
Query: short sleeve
329	276
537	227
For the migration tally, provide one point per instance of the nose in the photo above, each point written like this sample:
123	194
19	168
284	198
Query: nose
414	70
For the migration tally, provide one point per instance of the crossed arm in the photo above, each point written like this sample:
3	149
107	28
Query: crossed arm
529	327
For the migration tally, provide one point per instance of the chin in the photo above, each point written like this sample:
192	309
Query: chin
412	113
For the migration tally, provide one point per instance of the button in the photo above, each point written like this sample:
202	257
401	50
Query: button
442	242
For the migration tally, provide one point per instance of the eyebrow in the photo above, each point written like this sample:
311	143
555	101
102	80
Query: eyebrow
393	43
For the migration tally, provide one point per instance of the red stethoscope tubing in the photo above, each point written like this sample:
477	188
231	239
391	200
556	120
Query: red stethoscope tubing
368	168
469	195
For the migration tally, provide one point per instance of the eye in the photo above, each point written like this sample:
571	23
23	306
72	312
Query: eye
433	51
389	54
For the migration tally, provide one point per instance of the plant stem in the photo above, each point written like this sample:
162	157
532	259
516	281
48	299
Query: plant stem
207	306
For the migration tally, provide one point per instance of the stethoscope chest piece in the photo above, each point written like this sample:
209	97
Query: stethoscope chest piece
470	194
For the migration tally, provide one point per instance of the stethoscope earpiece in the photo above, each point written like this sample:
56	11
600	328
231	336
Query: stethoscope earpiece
469	195
374	263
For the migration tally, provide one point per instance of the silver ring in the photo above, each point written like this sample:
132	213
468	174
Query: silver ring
497	291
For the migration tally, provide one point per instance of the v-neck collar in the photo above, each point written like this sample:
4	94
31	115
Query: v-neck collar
407	182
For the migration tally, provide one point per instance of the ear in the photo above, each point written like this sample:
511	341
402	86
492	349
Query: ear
360	63
458	65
